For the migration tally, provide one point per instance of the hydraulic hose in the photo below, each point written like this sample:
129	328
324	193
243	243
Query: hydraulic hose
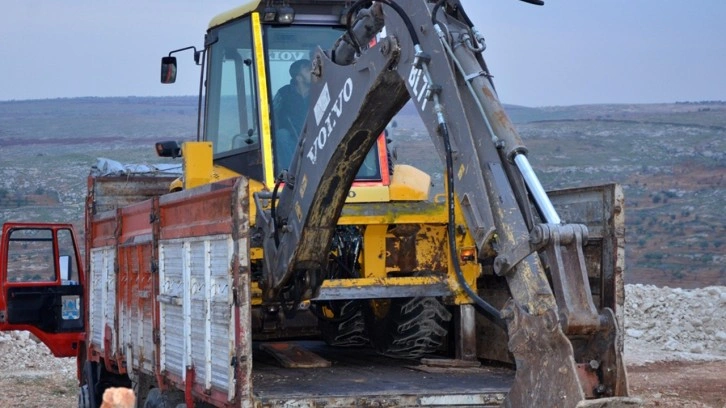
484	307
481	303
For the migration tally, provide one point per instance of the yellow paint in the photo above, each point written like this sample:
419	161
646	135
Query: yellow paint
198	167
256	294
409	184
197	164
262	95
433	214
256	253
397	281
431	244
328	312
368	194
374	251
462	169
176	185
235	13
222	173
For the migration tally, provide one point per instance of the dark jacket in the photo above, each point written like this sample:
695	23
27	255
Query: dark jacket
289	109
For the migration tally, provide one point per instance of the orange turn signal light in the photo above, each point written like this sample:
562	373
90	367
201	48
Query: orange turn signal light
467	254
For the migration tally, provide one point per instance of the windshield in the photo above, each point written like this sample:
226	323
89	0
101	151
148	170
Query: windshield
289	52
232	119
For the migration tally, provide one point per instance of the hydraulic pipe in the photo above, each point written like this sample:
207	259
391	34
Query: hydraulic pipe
535	188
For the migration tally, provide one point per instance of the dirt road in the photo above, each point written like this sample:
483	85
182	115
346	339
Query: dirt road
683	384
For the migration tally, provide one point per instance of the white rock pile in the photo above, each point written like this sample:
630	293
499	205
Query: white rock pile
21	354
675	324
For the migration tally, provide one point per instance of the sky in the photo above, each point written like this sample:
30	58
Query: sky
568	52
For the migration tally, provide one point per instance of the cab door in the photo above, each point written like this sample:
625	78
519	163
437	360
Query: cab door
41	284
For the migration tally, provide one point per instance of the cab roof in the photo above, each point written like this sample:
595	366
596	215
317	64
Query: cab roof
236	12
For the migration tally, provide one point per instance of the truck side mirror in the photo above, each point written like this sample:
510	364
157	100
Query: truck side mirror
168	149
168	70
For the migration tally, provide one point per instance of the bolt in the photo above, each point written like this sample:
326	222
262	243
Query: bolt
536	236
501	264
594	364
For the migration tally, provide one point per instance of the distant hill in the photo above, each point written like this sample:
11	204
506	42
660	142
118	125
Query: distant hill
670	159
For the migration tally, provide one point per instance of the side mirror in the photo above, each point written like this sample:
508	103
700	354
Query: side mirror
168	70
168	149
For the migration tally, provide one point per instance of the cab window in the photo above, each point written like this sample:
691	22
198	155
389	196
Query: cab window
232	123
290	50
30	256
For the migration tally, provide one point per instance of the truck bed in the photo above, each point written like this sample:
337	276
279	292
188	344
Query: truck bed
360	377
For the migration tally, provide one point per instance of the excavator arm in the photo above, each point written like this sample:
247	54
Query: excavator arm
564	349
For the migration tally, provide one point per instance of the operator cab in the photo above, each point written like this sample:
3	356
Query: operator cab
257	76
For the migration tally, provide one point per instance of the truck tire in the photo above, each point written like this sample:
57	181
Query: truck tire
347	328
89	390
411	329
84	400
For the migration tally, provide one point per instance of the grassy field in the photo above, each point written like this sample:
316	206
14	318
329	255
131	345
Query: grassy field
670	159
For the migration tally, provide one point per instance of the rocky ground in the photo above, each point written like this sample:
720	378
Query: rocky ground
675	350
675	345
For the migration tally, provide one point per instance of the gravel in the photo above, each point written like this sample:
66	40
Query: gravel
21	354
663	324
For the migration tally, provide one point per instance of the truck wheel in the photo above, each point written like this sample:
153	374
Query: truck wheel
346	327
84	400
411	328
90	388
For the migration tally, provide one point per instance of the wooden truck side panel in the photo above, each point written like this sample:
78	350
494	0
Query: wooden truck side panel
169	291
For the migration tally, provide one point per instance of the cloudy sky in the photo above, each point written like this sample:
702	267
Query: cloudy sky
567	52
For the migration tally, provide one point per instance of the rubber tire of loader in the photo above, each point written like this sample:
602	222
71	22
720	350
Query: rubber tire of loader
411	329
347	328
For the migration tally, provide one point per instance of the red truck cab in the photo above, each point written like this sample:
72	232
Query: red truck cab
41	285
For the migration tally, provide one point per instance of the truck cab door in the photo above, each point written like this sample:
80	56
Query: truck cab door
41	284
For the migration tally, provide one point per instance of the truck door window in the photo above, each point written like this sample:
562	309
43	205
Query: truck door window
232	123
68	267
30	256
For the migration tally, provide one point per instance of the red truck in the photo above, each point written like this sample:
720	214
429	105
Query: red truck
42	284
